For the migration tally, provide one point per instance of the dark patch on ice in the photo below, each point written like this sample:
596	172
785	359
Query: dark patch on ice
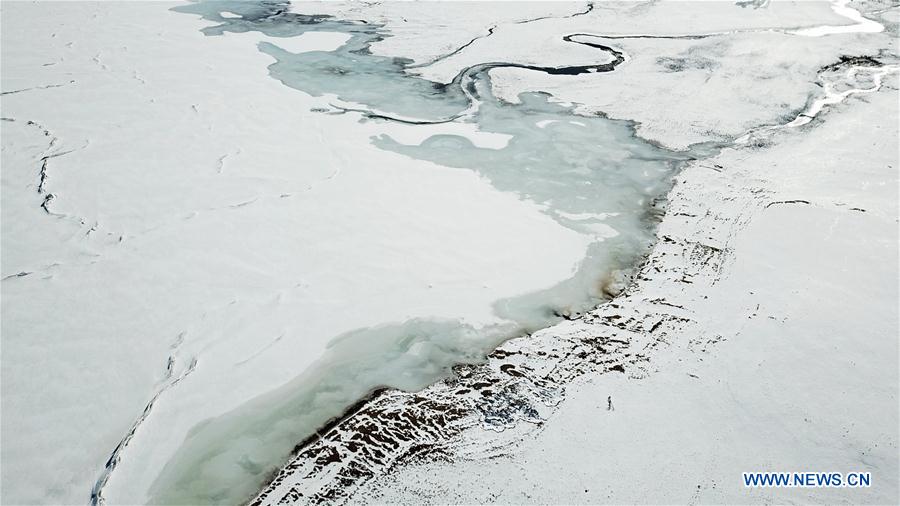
756	4
680	64
795	201
17	275
846	61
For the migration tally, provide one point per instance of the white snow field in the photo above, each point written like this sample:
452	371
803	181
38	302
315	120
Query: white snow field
203	219
225	223
183	234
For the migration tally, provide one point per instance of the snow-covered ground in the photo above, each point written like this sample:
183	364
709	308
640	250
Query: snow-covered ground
777	352
184	236
200	221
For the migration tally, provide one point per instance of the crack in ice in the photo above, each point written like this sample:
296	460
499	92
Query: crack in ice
169	381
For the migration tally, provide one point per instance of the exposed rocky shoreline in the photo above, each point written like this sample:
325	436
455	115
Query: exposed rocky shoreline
389	447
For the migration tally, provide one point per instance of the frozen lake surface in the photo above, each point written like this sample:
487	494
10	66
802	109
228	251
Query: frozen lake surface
226	223
223	239
590	175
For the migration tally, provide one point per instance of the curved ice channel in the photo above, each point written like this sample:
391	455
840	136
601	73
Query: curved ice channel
590	174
